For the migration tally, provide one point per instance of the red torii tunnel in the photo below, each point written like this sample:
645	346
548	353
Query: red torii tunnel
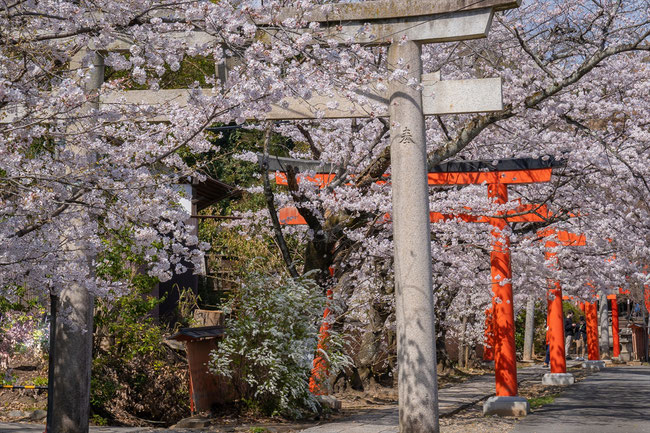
497	175
590	311
522	213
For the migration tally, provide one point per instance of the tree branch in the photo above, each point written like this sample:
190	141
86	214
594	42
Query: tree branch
270	204
315	152
478	124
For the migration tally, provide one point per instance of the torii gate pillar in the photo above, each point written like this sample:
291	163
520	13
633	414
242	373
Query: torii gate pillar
506	402
505	362
416	350
593	351
555	323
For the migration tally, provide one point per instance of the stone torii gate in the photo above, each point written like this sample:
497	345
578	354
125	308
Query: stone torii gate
412	24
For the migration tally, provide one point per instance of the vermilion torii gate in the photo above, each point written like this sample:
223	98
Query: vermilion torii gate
555	317
497	175
291	216
593	361
593	349
616	352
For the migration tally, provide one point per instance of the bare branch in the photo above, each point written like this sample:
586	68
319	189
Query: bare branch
270	204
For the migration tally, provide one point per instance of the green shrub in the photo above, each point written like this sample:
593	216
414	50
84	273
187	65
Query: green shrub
270	343
135	376
40	381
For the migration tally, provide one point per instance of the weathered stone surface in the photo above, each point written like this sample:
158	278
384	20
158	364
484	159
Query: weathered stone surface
438	97
414	304
558	379
193	422
460	25
38	415
329	402
506	406
593	365
17	414
389	9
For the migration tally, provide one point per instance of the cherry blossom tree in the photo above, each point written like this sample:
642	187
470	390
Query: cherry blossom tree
575	88
75	171
83	165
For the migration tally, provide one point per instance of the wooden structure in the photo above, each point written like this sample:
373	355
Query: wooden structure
196	197
616	343
206	389
555	316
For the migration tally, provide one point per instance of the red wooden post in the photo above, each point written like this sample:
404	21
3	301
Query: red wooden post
191	392
555	320
592	331
617	345
320	370
505	359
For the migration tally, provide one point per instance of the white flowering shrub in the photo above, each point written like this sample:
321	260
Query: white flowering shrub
270	343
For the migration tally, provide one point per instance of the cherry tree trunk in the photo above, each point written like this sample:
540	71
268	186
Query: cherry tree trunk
529	330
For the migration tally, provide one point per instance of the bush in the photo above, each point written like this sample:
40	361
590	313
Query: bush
135	377
270	343
23	330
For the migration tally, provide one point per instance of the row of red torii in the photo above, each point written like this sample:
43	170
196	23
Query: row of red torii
500	327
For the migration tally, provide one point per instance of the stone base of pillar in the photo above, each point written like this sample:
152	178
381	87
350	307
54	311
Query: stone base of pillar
506	406
329	402
558	379
488	364
593	365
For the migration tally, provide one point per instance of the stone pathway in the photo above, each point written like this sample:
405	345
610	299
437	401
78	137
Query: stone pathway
39	428
450	401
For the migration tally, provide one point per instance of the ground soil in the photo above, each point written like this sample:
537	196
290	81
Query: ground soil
23	370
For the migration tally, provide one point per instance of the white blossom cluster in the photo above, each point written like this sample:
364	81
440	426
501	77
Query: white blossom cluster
73	171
